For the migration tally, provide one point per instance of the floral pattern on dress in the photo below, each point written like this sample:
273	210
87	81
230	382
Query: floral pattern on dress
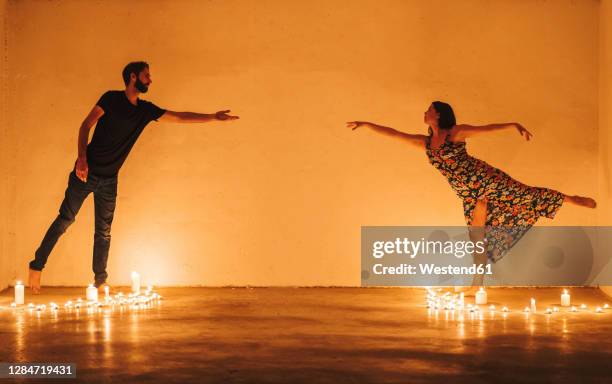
512	207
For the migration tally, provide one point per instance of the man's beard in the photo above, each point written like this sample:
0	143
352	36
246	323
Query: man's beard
141	87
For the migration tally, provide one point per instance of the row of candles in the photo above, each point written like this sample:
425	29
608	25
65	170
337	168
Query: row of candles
134	298
448	302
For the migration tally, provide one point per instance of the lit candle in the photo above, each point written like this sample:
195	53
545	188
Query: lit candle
583	306
19	293
491	307
505	309
526	309
574	309
548	311
13	304
135	282
106	293
481	296
606	306
565	299
533	305
92	293
598	310
555	309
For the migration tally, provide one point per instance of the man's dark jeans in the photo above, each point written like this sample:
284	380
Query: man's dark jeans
105	196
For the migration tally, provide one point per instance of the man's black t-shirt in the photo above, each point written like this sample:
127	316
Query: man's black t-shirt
117	131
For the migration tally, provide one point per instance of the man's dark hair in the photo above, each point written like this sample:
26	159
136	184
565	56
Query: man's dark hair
134	67
447	116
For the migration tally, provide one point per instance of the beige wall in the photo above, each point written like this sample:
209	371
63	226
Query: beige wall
6	262
278	197
605	125
605	112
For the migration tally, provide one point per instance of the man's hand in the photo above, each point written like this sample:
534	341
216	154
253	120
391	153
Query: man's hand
82	169
223	115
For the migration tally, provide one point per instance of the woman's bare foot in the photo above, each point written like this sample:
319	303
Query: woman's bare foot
34	281
111	291
467	290
581	201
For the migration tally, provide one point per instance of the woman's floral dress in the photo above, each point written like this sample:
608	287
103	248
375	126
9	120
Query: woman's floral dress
512	208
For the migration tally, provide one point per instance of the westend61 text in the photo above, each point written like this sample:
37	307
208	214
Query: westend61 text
432	269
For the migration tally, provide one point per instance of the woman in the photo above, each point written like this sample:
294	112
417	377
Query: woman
496	207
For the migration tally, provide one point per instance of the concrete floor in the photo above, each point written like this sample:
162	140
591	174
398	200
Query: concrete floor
314	335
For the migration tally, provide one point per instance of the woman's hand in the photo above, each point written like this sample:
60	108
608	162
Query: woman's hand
523	131
356	124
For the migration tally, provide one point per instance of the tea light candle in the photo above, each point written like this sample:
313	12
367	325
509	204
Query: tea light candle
606	306
598	310
135	282
505	309
19	293
555	309
92	293
548	311
526	310
491	308
574	309
565	299
583	306
533	305
481	296
13	304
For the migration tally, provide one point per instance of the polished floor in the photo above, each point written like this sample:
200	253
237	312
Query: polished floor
315	335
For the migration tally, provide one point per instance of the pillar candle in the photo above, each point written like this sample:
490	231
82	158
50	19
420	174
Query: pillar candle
481	296
135	282
106	292
533	305
92	293
19	293
565	299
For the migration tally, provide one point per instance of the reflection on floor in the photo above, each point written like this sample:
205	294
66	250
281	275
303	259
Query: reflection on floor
306	335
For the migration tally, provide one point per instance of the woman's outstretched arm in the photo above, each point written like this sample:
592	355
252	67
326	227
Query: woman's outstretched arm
417	140
465	130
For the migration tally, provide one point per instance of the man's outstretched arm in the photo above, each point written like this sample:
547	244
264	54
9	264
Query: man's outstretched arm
193	117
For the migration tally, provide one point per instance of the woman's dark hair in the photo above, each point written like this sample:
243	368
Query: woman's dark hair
134	67
447	116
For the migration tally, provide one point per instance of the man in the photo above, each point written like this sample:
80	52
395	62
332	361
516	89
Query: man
120	118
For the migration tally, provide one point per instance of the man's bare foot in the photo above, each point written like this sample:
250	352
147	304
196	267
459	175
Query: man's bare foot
582	201
34	281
